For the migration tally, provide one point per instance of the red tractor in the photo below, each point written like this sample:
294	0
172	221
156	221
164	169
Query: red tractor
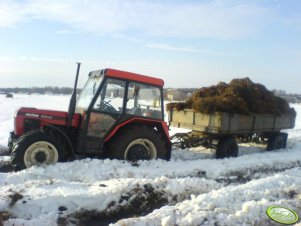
118	115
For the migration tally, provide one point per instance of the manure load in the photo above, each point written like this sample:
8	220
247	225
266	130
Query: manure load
240	96
221	115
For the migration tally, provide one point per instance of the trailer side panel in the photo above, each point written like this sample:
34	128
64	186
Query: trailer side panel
225	123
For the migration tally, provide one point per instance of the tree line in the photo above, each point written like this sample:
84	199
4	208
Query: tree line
292	98
39	90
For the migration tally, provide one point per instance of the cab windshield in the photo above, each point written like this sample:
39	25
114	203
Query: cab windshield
88	92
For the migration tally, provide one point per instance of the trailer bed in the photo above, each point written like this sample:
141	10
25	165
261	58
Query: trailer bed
226	123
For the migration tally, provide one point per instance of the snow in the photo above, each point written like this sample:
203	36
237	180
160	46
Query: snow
243	204
192	188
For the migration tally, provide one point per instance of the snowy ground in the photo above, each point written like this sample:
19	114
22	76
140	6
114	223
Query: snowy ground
191	189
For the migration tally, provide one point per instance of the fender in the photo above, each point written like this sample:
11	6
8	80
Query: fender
62	133
162	125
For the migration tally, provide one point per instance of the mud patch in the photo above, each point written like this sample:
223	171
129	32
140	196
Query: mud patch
4	151
140	201
6	167
14	197
244	176
4	216
292	194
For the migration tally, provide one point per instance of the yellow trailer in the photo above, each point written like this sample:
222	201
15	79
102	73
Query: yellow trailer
221	130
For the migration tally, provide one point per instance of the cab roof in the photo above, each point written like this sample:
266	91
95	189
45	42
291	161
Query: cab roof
131	76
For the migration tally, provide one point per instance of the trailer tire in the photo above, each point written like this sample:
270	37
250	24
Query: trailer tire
227	147
277	141
37	148
138	143
179	140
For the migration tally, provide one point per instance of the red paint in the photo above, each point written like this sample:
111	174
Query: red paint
44	116
142	121
132	76
166	130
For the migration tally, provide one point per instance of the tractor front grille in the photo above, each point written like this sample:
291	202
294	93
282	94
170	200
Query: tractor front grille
31	124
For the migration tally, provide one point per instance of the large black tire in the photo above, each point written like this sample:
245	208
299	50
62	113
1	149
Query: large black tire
11	140
277	141
10	145
37	148
227	147
138	143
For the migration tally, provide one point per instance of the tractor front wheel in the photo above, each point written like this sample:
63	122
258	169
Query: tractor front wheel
36	148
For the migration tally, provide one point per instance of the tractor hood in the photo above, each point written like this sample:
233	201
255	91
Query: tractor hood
27	119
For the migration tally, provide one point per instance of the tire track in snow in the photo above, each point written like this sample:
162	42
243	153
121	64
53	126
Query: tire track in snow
82	176
144	202
106	199
243	204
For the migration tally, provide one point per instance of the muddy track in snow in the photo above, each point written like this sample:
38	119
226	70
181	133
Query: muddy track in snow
138	202
248	174
4	151
144	199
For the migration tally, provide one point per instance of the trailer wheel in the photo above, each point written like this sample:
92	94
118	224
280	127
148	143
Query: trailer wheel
179	140
227	147
138	143
36	148
277	141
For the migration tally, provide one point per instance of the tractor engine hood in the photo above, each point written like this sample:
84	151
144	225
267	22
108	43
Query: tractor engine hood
27	119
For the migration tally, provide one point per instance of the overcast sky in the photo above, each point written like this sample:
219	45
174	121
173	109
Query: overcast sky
188	43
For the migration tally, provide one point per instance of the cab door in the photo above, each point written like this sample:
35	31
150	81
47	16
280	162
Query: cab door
106	108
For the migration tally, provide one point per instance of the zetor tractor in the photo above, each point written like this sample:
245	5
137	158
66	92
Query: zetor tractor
117	115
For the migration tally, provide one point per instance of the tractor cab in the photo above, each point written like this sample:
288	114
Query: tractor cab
114	95
112	98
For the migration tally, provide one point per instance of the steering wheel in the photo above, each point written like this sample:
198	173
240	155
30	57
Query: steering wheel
106	106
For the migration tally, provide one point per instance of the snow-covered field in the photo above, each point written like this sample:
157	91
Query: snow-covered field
191	189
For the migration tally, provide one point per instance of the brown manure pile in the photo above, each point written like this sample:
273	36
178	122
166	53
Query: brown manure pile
240	96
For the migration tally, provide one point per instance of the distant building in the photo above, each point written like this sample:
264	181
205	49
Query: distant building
175	95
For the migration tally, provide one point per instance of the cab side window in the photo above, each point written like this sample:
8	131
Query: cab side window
144	100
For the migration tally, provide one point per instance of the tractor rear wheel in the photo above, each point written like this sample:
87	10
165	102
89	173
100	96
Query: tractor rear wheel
36	148
138	143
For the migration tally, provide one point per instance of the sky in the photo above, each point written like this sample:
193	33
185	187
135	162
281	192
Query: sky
188	43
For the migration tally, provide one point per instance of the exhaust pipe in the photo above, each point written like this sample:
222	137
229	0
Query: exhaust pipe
72	102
